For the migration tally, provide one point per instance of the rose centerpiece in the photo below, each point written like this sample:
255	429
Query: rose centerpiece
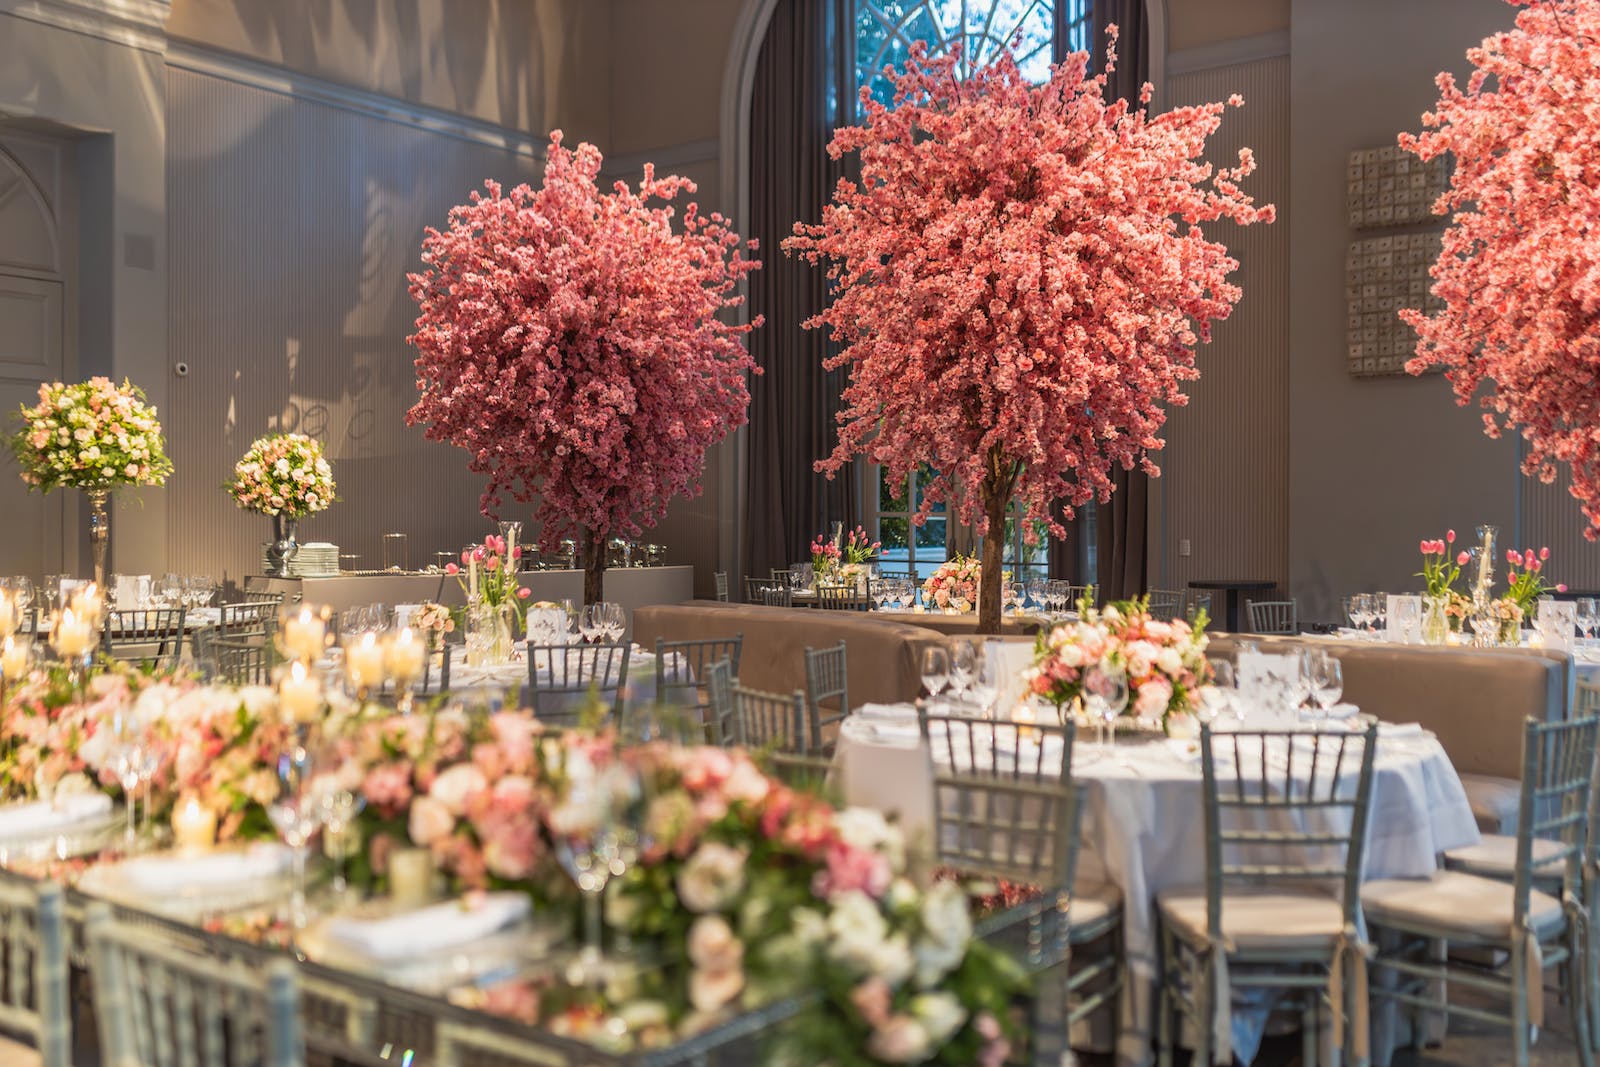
95	436
1159	666
954	586
286	477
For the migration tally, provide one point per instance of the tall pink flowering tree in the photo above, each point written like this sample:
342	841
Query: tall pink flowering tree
1020	283
572	342
1519	273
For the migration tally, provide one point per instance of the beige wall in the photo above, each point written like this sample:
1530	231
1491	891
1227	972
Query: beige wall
1197	23
526	64
666	64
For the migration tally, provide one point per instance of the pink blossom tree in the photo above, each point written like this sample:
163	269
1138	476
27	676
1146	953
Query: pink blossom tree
1519	273
1020	282
573	342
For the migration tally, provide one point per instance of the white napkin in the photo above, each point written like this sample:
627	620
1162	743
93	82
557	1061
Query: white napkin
40	817
1345	711
1400	729
887	712
176	871
435	928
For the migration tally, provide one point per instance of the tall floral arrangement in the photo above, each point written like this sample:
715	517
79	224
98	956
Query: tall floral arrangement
575	343
91	435
1519	271
283	474
1439	572
1020	283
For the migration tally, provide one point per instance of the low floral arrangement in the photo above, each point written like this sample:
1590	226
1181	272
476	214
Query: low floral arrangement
283	474
434	621
859	547
760	890
486	576
1439	572
954	586
212	742
90	435
1163	663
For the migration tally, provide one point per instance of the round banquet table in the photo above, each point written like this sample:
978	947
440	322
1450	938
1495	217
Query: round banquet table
1144	827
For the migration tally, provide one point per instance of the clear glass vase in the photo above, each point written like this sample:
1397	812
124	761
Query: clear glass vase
1435	621
488	633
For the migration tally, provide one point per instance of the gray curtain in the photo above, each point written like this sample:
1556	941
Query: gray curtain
802	85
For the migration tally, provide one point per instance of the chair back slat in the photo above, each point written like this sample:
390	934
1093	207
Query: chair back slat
781	596
154	634
680	668
1294	807
721	578
775	722
1274	616
1165	604
561	676
827	680
1197	603
1004	802
242	660
35	999
1557	789
842	598
754	588
162	1004
722	729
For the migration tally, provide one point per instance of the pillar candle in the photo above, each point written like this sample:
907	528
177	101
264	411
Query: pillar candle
363	658
411	876
304	636
300	695
73	636
194	825
10	617
403	656
14	657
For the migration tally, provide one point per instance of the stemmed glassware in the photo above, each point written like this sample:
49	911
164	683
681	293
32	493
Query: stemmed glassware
1380	610
296	813
1327	682
339	810
1586	616
963	666
592	623
595	841
935	670
1222	695
127	760
1036	589
613	621
1105	696
1361	612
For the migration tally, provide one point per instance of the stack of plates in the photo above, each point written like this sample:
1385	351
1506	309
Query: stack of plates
318	559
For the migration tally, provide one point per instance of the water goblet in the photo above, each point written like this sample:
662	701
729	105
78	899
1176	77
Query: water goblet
1106	695
615	619
935	670
1586	616
125	758
1327	681
1225	686
591	623
296	813
592	844
963	666
339	810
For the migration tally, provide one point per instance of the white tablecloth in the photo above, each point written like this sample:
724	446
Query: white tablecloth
1144	826
511	676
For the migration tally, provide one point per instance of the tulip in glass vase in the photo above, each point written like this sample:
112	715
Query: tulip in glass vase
1439	574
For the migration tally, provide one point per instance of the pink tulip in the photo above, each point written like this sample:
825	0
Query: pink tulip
1544	553
1450	536
451	568
1561	587
1427	546
1463	558
1513	557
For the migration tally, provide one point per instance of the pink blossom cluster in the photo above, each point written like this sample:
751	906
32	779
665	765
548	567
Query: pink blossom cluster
574	342
90	435
1519	271
1020	281
1162	663
283	474
954	585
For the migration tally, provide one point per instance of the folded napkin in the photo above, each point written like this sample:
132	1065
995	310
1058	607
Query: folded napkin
1345	711
435	928
1400	729
175	872
40	817
887	712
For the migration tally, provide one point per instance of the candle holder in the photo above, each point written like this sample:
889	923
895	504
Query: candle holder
304	631
405	655
364	664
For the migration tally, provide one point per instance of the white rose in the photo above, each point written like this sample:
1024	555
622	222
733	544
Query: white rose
95	748
712	945
900	1040
858	938
429	821
1169	660
70	785
940	1014
710	990
281	467
868	830
454	786
712	879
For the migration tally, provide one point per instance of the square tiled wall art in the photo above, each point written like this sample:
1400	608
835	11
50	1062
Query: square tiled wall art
1389	187
1383	275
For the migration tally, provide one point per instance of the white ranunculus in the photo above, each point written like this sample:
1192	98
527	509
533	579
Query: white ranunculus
712	879
428	821
710	990
940	1014
856	932
1169	660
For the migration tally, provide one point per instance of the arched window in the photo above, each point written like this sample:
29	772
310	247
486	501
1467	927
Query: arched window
1036	32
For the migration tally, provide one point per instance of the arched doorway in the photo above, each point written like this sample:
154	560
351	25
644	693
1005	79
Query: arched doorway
35	194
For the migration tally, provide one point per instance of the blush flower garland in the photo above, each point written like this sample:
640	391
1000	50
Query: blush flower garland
1519	271
574	342
283	474
1020	282
90	435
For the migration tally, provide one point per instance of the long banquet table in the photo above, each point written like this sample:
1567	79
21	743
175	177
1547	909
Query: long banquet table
1143	829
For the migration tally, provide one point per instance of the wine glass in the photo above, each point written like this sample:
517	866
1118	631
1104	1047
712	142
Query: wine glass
592	844
591	624
1327	683
1361	611
569	626
126	758
296	813
52	591
1225	690
1585	613
1035	588
615	620
339	810
935	669
1380	610
963	665
984	687
1106	695
1299	681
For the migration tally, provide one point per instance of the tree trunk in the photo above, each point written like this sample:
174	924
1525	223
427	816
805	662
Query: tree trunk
995	499
594	566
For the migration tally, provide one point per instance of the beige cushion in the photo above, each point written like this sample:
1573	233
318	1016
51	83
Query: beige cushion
1495	802
1495	856
1093	904
1453	901
1263	917
15	1054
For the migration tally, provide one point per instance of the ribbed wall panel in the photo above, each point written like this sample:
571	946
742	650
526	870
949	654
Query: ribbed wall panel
1550	517
1226	468
292	226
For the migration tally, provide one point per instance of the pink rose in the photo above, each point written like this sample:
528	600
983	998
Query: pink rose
429	821
872	999
453	787
712	945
